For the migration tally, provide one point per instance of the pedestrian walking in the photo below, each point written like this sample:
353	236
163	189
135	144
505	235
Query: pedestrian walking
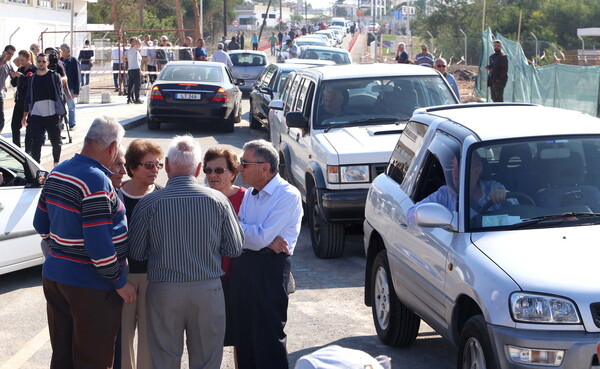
222	57
83	223
498	72
183	231
270	215
273	43
254	41
6	71
85	60
73	73
21	82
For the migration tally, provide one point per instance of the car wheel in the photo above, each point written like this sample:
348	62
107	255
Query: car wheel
396	325
327	238
228	125
153	124
238	117
475	348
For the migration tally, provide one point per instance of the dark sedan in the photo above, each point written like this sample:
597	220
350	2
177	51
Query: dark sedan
195	92
267	88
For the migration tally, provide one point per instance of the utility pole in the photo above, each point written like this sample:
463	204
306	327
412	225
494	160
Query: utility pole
225	18
280	13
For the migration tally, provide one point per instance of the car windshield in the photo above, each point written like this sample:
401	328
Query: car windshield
534	183
191	73
335	56
341	102
248	60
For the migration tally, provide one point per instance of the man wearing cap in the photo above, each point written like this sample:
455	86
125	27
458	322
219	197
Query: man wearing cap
498	75
221	56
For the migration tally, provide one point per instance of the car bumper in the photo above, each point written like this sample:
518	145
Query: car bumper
344	206
170	112
247	86
579	347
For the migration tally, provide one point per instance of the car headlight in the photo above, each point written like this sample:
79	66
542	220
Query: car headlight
348	174
534	308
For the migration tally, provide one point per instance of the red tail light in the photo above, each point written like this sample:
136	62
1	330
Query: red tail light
156	95
221	95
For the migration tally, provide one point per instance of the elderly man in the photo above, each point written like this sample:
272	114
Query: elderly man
83	222
333	104
270	216
183	231
441	66
424	58
200	53
185	52
402	55
221	56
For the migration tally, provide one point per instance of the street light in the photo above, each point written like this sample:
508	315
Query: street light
464	34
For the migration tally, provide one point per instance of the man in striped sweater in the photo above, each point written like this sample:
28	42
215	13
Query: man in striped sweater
83	222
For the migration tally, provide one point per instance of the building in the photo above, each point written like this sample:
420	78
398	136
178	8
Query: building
250	16
23	21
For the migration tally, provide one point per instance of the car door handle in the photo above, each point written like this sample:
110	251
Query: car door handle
403	225
297	137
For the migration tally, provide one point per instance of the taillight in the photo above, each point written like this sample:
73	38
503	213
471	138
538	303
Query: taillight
221	95
155	94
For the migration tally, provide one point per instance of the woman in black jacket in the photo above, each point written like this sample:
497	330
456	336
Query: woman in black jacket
26	70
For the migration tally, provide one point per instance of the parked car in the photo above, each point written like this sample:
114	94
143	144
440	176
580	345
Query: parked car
267	88
484	225
196	92
247	66
302	42
338	33
333	41
336	55
335	128
19	193
342	30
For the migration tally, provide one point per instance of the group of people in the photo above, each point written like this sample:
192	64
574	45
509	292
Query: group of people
211	262
497	67
45	82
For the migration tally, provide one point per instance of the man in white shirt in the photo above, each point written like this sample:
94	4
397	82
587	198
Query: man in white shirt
292	49
134	61
270	217
221	56
118	65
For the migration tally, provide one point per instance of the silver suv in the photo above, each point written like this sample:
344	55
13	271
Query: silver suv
485	225
335	128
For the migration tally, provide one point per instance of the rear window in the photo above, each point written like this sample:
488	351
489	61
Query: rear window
193	73
334	56
248	60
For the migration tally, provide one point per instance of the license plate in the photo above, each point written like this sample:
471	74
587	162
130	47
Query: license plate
188	96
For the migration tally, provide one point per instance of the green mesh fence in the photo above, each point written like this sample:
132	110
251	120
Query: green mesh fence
563	86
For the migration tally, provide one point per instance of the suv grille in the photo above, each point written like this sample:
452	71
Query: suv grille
377	169
595	307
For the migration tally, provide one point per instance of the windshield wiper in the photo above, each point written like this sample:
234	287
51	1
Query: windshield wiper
355	122
554	217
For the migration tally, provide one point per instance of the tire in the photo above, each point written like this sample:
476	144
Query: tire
228	125
475	348
327	238
238	117
254	123
396	325
153	124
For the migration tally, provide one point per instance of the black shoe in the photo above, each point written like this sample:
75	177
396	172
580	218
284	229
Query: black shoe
129	101
138	102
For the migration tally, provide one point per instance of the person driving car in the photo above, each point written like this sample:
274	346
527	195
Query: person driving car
333	102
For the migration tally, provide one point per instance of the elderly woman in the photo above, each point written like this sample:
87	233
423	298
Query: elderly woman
220	168
142	162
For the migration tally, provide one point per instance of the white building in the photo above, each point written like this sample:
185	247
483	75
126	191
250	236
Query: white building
23	21
250	16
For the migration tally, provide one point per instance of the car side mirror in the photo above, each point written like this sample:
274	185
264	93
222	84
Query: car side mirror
296	119
267	90
434	215
240	82
276	105
40	177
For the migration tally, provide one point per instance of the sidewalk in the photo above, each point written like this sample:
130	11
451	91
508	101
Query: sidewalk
127	115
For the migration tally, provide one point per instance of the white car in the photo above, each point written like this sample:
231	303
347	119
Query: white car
333	54
333	41
485	225
19	193
342	30
331	151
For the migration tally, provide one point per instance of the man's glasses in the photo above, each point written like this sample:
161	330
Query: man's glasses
32	48
441	65
245	163
216	170
42	61
150	165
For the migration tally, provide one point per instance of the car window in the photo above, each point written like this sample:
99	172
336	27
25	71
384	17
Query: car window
334	56
268	74
379	97
541	177
280	82
292	88
440	171
408	144
191	73
13	169
248	60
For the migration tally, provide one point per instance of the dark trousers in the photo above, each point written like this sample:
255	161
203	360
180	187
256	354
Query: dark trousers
118	76
36	126
497	90
1	113
259	283
15	123
254	46
152	77
133	84
83	324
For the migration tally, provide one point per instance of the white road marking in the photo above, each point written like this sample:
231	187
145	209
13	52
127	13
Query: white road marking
27	351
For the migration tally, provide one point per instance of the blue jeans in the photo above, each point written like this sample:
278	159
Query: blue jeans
71	106
85	77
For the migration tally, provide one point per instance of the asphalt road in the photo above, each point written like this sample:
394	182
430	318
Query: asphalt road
327	307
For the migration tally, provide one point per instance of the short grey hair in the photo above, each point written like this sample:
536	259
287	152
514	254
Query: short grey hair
402	44
104	130
184	153
220	46
440	59
65	46
264	151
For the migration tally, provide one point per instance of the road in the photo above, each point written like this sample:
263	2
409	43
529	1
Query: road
327	307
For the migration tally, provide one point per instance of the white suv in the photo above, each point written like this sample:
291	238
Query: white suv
335	128
485	224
